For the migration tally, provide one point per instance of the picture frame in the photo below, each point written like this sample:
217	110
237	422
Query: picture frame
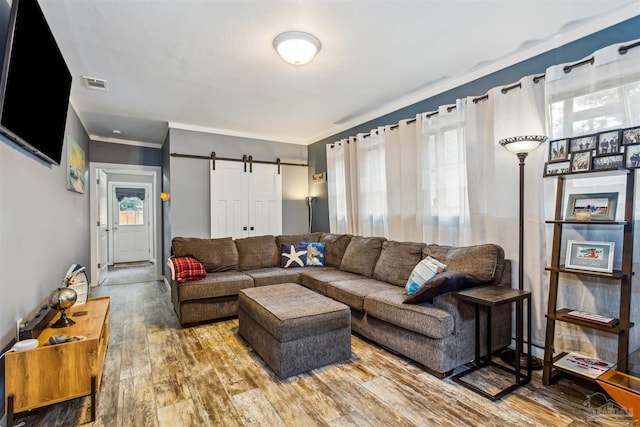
590	256
591	207
76	166
557	168
608	142
558	150
614	161
632	156
581	161
631	135
583	143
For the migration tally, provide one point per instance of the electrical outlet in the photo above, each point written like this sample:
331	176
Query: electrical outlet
18	325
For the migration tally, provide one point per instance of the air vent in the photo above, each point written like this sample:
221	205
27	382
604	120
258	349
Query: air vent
94	83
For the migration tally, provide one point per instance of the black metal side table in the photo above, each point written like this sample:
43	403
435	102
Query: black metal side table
492	296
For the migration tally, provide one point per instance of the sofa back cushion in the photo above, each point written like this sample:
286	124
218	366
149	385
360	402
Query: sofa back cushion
485	262
361	255
296	239
214	254
257	252
396	261
335	245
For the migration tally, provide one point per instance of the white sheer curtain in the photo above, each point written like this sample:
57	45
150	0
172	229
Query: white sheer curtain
494	184
339	190
442	208
401	163
601	94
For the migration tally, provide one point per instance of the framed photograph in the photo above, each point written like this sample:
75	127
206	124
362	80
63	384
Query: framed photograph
631	136
608	142
582	143
608	162
558	150
632	155
581	161
591	256
557	168
592	206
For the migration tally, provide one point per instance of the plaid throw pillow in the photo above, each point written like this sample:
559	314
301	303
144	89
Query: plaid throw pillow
185	269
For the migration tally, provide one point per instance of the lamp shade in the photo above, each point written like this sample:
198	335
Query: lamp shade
522	144
297	47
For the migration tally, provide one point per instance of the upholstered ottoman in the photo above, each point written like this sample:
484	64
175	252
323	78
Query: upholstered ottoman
294	329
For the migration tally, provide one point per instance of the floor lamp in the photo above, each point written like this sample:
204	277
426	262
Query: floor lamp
521	146
310	200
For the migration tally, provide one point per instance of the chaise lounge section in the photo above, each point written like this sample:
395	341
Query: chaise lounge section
367	274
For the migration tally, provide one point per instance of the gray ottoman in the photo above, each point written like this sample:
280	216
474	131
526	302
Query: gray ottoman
294	329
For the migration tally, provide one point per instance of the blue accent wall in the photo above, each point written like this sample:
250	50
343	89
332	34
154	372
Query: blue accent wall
570	52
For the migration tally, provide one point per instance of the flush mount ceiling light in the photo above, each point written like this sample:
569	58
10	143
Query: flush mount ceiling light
296	47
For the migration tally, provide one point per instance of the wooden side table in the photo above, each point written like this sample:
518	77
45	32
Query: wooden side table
489	297
623	384
51	374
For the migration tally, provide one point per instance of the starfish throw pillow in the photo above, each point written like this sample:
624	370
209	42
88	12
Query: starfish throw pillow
293	256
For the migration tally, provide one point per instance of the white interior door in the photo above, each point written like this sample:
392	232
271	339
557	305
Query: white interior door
103	227
229	200
265	200
130	224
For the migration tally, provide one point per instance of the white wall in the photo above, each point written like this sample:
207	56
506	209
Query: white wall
44	228
190	211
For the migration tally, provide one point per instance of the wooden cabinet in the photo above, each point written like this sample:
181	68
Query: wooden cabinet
621	278
51	374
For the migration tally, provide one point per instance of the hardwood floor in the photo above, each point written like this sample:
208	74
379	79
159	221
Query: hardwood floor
158	374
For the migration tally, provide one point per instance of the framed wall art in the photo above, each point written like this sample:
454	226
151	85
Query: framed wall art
581	161
592	206
631	135
632	155
76	166
557	168
558	150
591	256
608	162
582	143
608	142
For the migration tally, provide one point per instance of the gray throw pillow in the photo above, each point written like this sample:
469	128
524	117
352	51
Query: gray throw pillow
396	261
483	261
335	245
361	255
214	254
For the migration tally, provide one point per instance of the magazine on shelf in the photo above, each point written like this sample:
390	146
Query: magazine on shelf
584	365
592	317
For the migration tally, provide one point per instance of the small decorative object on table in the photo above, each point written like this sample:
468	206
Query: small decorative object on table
61	299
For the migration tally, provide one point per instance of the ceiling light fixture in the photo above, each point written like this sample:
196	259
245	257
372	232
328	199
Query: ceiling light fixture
296	47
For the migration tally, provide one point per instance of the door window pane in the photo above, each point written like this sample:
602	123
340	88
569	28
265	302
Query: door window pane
131	211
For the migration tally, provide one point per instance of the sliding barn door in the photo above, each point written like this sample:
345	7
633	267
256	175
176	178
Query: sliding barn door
229	200
245	203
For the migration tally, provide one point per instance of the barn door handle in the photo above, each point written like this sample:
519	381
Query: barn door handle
244	228
251	228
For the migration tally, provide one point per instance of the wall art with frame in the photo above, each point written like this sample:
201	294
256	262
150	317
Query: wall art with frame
558	150
608	142
592	206
590	256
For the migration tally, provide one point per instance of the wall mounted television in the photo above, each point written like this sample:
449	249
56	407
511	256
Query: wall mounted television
35	84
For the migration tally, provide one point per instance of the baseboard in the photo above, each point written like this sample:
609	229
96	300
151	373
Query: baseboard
166	283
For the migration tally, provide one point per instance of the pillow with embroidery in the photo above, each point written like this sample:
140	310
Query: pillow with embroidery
315	253
293	256
422	272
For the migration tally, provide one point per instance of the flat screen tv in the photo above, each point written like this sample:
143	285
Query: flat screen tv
35	84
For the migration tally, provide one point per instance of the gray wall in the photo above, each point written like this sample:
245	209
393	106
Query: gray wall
166	206
189	179
104	152
625	31
44	228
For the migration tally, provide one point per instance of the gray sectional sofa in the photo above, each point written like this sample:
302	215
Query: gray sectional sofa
366	273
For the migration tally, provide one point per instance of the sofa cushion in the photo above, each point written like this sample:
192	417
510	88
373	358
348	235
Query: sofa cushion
335	245
296	239
273	276
257	252
316	278
486	261
353	292
361	255
422	318
293	256
219	284
396	261
315	253
214	254
449	281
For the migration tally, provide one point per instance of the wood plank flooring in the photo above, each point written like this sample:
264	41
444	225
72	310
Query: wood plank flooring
158	374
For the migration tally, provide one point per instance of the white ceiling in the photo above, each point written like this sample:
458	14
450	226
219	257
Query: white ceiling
210	65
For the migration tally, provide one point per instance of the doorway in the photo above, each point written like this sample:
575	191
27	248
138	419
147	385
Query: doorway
126	236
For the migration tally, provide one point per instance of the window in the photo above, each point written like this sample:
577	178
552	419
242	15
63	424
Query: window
131	211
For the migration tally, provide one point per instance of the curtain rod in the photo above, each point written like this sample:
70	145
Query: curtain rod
622	50
245	159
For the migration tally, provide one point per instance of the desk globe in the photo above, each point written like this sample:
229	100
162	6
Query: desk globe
61	299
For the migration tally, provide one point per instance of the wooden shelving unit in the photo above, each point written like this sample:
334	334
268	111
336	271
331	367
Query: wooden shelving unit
619	326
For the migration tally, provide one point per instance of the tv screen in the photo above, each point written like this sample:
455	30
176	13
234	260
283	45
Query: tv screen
35	84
